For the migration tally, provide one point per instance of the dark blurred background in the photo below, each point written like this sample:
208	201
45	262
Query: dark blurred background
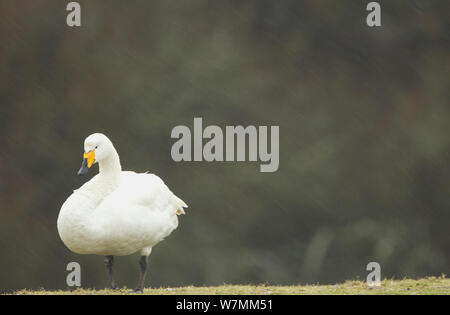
364	135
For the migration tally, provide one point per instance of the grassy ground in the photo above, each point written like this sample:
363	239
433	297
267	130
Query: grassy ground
431	285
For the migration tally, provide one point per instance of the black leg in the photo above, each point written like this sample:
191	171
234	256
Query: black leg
109	261
143	267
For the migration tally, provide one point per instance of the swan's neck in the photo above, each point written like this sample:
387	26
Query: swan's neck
110	170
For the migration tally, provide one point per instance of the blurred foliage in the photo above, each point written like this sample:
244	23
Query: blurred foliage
364	135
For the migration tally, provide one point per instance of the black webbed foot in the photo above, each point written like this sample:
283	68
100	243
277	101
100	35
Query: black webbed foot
137	291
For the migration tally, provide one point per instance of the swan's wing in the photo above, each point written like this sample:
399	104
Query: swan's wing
87	186
147	190
82	198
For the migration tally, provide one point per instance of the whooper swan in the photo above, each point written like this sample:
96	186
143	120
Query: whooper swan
117	212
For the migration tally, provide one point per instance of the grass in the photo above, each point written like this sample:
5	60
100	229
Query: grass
430	285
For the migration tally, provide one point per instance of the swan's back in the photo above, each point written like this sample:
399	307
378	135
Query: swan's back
146	190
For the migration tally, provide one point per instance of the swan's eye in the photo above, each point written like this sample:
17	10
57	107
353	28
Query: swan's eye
96	147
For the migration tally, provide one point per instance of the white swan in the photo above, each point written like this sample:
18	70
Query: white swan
117	213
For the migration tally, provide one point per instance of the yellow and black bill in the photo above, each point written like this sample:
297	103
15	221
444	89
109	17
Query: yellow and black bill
88	160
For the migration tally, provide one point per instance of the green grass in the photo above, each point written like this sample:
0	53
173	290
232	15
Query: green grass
430	285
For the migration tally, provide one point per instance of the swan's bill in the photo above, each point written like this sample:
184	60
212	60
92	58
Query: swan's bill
88	160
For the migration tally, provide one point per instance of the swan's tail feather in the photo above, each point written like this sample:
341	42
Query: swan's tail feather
180	204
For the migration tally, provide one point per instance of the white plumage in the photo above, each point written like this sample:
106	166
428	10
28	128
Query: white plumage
117	212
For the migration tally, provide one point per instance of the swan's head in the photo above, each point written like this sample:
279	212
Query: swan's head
97	147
